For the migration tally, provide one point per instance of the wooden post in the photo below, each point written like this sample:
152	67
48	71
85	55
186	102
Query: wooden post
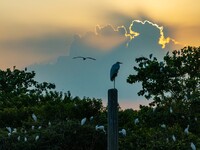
112	119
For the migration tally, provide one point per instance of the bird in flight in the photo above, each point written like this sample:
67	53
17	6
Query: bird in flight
114	71
84	58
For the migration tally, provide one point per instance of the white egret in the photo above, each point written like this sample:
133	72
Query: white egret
170	110
123	132
32	127
18	138
83	121
91	118
84	58
136	121
195	118
9	129
163	126
9	134
25	139
174	138
39	127
37	137
114	71
186	131
192	146
14	130
97	127
34	117
49	124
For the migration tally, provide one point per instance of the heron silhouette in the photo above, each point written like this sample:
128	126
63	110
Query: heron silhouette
84	58
114	71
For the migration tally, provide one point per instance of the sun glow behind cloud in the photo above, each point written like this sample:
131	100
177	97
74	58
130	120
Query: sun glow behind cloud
26	19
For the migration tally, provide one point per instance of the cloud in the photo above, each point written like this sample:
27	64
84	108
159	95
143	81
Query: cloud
102	39
91	78
136	30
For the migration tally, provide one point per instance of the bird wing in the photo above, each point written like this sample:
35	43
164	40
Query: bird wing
90	58
114	71
78	57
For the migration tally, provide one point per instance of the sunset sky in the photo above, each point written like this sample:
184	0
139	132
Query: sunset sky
44	35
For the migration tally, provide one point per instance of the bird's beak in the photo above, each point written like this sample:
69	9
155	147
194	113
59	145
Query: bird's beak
120	62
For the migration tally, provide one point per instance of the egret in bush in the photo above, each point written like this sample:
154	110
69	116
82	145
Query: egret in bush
91	118
174	138
37	137
39	127
9	134
18	138
123	132
136	121
192	146
97	127
9	129
186	131
170	110
34	117
83	121
163	126
195	118
49	124
25	139
14	130
32	127
114	71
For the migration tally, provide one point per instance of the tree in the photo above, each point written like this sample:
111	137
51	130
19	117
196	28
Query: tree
176	78
174	85
18	88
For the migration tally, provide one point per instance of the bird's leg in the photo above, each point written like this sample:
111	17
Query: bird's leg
114	83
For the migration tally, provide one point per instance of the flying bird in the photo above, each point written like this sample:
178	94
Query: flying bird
114	71
84	58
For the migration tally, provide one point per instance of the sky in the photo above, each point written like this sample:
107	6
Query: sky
44	35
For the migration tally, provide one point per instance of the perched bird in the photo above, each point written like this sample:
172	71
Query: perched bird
49	124
97	127
136	121
37	137
14	130
186	131
170	110
39	127
83	121
174	138
25	139
84	58
114	71
192	146
34	117
32	127
18	138
9	129
163	126
91	118
123	132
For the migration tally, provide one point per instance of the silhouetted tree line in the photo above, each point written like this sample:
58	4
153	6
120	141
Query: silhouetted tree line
171	121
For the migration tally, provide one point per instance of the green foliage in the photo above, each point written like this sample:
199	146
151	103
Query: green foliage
176	78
